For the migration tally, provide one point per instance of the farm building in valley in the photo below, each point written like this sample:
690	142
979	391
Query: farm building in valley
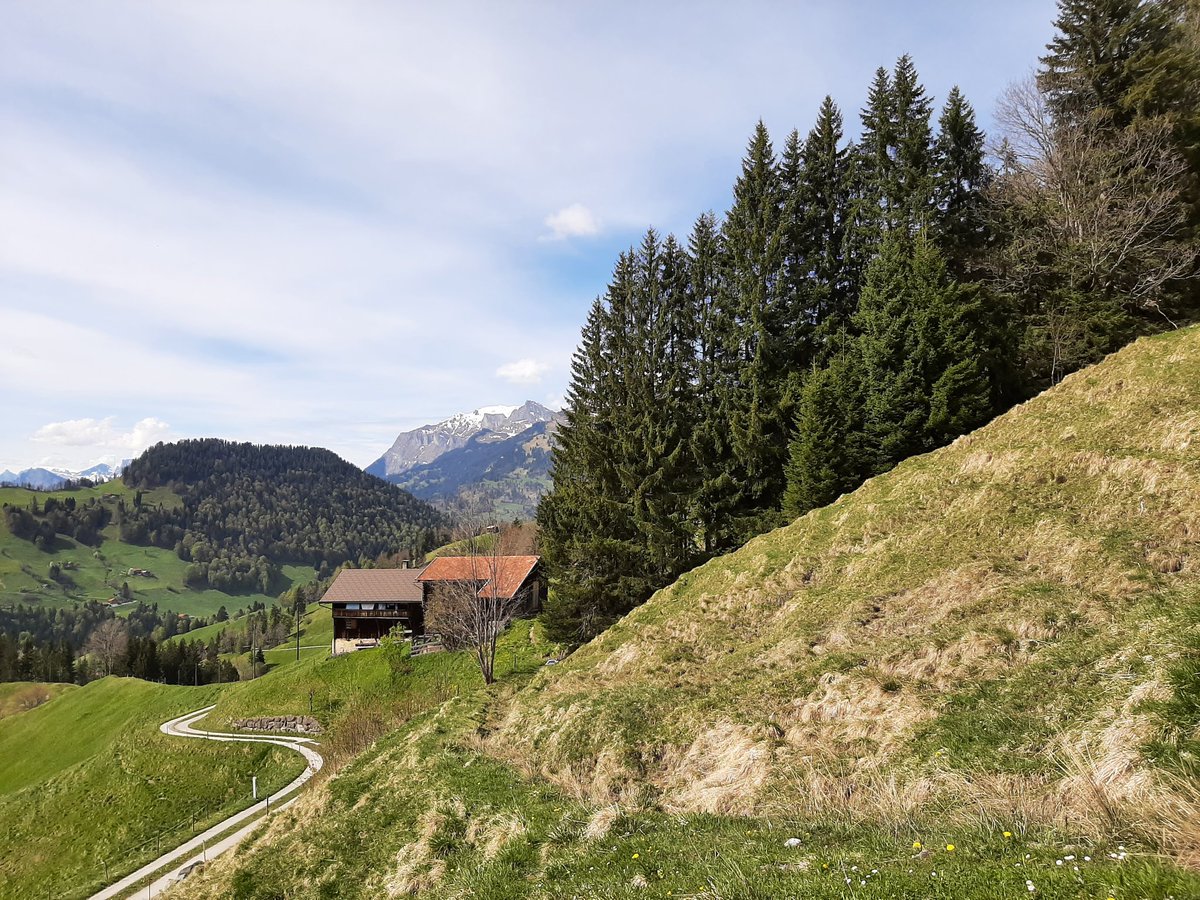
368	603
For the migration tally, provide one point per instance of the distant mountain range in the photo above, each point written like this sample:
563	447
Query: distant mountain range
492	461
49	479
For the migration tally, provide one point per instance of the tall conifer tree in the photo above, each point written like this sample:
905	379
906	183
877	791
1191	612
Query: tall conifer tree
716	495
824	193
961	175
752	296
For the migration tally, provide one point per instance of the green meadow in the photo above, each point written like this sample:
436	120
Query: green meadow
91	764
97	573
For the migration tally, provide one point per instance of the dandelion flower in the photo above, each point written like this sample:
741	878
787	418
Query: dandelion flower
949	848
637	855
1008	834
916	845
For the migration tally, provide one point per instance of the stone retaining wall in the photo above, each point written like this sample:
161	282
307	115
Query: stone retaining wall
297	724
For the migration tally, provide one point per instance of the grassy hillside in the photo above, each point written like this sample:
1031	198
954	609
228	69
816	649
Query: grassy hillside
22	696
24	569
316	628
89	778
975	676
1002	625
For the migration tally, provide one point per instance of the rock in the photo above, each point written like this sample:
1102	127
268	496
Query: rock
792	842
296	724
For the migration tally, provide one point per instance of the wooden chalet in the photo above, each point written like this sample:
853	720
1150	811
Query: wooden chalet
368	603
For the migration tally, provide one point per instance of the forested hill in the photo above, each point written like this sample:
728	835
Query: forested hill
247	508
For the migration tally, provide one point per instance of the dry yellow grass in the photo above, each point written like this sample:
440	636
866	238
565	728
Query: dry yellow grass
1043	560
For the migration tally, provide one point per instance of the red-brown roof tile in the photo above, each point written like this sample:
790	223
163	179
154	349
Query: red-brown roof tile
509	572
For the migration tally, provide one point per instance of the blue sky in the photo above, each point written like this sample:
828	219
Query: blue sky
324	223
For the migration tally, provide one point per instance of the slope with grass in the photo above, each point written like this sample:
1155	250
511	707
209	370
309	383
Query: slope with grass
972	677
97	573
22	696
994	626
92	765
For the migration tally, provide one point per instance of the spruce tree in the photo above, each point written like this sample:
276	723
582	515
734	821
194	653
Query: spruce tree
889	320
870	178
910	202
824	201
829	455
1112	61
751	295
961	175
715	497
798	309
926	341
574	518
666	476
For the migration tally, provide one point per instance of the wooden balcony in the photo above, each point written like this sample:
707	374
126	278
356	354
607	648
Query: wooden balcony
401	613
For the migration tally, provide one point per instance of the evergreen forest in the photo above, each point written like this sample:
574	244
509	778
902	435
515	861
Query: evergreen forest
872	297
248	508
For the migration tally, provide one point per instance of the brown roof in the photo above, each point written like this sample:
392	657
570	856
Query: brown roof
353	585
510	571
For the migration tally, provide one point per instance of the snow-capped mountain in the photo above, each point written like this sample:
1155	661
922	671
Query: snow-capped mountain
48	478
425	444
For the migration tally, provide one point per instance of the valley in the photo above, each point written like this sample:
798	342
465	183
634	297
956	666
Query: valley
901	737
852	551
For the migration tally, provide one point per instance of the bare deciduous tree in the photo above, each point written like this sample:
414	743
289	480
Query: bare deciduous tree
1100	207
108	642
474	611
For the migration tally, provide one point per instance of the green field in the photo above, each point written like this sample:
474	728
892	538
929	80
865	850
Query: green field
316	628
100	571
973	677
88	778
20	696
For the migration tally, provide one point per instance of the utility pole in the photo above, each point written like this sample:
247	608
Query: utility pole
296	610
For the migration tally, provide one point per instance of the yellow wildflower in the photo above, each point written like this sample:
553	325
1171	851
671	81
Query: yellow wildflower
636	855
916	845
1008	834
949	848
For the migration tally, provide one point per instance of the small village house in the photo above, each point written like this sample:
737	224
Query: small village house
368	603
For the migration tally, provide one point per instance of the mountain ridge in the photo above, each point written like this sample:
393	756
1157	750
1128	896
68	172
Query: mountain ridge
491	474
426	443
48	478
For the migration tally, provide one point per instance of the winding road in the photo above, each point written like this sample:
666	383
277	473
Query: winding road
209	843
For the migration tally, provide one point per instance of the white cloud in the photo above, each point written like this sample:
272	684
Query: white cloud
271	221
523	371
103	434
571	221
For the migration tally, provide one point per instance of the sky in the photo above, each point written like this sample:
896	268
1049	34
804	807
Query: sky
324	223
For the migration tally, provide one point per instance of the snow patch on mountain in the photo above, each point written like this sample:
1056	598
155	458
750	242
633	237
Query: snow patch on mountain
425	444
53	477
